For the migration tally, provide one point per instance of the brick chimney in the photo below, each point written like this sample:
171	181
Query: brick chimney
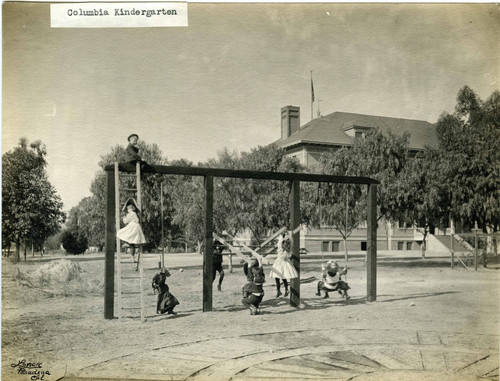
290	121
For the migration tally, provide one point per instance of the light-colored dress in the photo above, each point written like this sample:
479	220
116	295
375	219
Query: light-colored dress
282	267
132	232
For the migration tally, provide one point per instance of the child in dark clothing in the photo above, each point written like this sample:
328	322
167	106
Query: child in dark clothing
166	301
253	293
132	151
253	269
132	154
217	260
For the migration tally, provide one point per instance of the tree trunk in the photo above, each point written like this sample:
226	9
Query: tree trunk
345	249
17	255
424	244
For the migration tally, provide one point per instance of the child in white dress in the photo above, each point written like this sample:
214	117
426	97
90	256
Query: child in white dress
282	269
132	232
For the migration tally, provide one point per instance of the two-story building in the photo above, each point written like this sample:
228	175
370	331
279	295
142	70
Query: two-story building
339	129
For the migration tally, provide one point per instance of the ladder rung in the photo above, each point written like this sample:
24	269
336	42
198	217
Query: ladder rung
131	308
130	292
128	189
131	277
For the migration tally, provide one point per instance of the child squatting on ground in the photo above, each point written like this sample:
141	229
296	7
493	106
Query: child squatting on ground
253	269
332	280
166	302
253	293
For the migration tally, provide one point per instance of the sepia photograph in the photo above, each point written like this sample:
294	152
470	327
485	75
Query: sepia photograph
205	191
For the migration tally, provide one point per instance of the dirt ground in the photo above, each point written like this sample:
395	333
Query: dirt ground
63	326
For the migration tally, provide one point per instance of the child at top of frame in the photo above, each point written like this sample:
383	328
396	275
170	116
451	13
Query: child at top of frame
132	150
253	269
166	302
132	232
217	260
253	293
331	280
132	154
282	269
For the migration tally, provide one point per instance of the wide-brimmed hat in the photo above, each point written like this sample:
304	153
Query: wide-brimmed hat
128	139
130	201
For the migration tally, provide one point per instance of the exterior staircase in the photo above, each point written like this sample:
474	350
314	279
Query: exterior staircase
459	245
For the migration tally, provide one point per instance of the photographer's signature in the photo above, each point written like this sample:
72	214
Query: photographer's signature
32	369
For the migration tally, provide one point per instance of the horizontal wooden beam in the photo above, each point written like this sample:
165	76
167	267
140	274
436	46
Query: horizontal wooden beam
244	174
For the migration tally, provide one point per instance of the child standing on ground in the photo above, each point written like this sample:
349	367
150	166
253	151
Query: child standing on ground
132	232
331	280
217	260
282	269
253	293
166	302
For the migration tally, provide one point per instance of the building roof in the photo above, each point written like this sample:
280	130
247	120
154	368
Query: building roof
329	130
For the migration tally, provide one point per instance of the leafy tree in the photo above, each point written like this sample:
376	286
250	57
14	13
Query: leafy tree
379	156
424	192
31	208
469	140
260	206
94	208
341	204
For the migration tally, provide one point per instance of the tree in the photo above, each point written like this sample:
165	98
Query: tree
469	140
31	208
94	209
259	206
341	204
378	156
424	192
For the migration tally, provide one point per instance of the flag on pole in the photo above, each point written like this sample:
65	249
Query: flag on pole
312	89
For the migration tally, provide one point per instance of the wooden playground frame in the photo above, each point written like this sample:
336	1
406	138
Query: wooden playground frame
208	174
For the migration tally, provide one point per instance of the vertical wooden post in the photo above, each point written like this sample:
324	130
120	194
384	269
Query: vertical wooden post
162	263
475	250
118	245
207	255
371	244
109	259
295	241
138	183
231	263
141	272
452	253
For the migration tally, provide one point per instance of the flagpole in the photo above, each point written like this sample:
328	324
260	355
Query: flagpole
312	95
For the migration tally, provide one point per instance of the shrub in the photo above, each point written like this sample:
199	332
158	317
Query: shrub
74	242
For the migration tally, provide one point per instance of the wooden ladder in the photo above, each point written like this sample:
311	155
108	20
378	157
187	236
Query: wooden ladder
122	261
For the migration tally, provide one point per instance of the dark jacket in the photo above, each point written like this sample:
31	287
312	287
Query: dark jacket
132	154
252	271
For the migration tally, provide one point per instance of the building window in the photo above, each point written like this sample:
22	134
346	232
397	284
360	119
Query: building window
325	246
400	245
408	245
335	246
363	245
359	134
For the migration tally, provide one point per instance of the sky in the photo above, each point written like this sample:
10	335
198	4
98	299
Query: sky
222	80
